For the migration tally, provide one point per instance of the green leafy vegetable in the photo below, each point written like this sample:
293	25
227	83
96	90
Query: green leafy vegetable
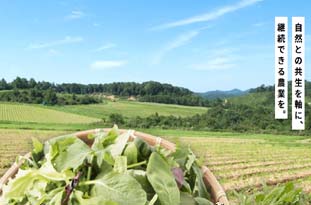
120	165
68	152
113	171
160	176
120	188
131	153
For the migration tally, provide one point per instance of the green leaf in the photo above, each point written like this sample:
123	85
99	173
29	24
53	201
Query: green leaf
163	182
141	178
37	152
108	158
25	181
111	136
202	201
49	172
56	199
18	187
78	197
119	188
37	194
99	149
199	189
143	149
119	145
186	199
131	153
62	142
68	152
120	165
37	145
104	169
190	160
101	141
181	156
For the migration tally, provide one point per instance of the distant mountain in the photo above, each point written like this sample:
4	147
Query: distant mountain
223	94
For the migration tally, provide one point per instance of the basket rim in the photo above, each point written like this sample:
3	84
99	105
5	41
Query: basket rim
218	193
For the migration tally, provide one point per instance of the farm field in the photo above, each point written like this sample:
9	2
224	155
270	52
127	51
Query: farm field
131	109
241	162
39	114
243	165
14	142
80	117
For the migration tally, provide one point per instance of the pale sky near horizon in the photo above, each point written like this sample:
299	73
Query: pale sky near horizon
202	45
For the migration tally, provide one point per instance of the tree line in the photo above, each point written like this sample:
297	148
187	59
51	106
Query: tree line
150	91
230	117
116	88
46	97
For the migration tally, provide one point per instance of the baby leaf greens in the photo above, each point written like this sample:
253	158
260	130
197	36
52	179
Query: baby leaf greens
162	180
115	170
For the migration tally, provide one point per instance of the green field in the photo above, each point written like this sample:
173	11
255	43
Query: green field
80	117
131	109
36	114
240	162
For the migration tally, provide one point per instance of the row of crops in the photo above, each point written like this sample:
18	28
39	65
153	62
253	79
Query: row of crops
245	165
39	114
85	114
18	142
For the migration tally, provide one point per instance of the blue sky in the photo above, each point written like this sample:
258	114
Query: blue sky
202	44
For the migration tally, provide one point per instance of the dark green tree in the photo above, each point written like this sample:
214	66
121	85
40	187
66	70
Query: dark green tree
3	84
116	118
50	97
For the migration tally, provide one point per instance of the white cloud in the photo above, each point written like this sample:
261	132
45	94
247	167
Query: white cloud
181	40
105	47
53	52
220	59
210	15
75	15
220	63
107	64
66	40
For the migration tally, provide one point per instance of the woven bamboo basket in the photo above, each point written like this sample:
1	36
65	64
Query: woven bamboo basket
218	193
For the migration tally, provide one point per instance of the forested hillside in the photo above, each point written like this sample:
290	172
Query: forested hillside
148	92
252	112
223	94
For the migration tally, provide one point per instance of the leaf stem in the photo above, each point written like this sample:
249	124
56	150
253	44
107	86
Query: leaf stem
137	164
89	173
85	183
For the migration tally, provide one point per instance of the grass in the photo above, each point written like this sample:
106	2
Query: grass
190	133
130	109
47	126
13	112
